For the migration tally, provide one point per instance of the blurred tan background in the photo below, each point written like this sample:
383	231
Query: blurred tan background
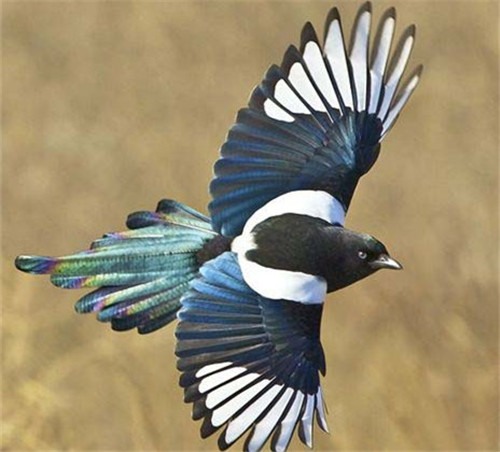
110	106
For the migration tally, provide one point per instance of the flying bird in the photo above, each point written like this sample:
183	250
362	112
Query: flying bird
247	283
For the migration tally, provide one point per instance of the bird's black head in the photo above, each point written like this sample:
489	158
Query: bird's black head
354	256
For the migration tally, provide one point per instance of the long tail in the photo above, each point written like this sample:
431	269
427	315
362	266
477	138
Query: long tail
141	273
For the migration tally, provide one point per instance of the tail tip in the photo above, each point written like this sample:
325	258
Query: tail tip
36	265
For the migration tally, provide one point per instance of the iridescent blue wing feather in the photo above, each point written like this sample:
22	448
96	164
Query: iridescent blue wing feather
315	122
249	363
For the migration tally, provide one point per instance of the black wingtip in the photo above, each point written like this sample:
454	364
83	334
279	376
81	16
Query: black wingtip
248	439
199	409
207	428
389	12
256	102
308	34
221	442
367	6
290	57
412	30
333	15
409	32
364	8
191	393
301	432
418	71
272	76
274	439
187	379
322	425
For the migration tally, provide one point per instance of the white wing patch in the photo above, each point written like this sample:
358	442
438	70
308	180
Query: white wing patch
229	389
307	420
321	410
398	64
266	426
288	424
242	422
214	380
335	53
355	81
400	101
276	112
282	284
301	82
316	65
211	368
315	203
284	94
225	412
359	58
222	393
381	49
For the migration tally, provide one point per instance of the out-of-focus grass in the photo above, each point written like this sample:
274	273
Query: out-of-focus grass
108	107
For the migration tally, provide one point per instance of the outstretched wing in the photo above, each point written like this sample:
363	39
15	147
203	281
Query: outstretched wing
316	121
249	363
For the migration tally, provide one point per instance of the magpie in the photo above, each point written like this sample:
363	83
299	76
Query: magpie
248	283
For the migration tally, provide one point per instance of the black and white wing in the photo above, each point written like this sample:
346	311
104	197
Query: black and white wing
249	363
316	121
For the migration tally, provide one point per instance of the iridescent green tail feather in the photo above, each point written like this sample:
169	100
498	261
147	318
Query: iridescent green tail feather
140	274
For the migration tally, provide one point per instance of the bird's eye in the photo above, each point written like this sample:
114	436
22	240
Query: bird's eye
362	254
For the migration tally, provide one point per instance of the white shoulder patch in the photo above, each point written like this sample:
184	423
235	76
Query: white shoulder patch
283	284
314	203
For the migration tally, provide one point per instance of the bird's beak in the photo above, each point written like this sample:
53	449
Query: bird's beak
385	261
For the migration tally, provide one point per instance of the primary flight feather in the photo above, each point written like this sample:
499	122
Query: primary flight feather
248	283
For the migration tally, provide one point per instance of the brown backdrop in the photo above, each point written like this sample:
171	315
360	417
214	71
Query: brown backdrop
108	107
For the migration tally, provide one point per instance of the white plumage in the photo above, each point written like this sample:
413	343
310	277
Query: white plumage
357	81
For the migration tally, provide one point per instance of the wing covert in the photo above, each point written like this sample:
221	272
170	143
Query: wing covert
249	363
316	121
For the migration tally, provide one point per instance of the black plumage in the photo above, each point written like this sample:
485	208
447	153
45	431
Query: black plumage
274	339
248	283
311	245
